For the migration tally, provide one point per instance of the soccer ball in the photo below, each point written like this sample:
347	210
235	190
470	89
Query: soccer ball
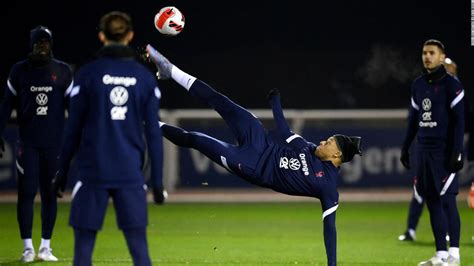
169	21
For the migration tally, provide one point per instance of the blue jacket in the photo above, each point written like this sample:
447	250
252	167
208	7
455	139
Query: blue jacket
436	112
114	104
39	94
294	168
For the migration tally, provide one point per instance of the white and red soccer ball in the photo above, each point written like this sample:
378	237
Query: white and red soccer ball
169	21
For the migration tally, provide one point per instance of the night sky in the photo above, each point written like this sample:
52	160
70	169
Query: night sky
321	54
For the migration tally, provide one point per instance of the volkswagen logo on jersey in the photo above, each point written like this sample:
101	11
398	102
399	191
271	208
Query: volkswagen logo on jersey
426	104
119	95
42	99
294	164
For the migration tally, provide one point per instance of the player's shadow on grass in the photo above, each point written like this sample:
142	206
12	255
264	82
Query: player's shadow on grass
422	243
432	244
36	262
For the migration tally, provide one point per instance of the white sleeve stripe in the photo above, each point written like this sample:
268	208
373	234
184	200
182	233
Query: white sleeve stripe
414	105
10	87
291	138
75	90
157	93
457	99
329	211
447	184
69	89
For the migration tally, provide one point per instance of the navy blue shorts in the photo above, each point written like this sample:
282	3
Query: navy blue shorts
89	205
432	176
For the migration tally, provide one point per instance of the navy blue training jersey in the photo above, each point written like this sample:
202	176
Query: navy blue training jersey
437	109
39	94
294	168
297	171
114	103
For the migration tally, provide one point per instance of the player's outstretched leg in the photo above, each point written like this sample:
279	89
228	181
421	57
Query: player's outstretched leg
226	155
216	150
243	124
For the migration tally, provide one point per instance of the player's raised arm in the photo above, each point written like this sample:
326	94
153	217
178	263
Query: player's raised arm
282	127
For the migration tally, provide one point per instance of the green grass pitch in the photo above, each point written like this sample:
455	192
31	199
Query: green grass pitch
249	234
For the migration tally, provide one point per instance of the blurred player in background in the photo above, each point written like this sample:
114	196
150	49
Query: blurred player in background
417	202
37	88
302	168
436	117
114	102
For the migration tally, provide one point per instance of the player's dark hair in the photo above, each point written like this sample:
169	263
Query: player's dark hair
115	25
436	43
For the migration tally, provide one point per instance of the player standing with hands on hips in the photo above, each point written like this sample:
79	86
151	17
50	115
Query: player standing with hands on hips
436	118
37	88
114	102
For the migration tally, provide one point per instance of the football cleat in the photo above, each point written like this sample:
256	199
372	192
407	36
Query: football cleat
434	261
46	254
407	236
28	255
452	261
162	63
